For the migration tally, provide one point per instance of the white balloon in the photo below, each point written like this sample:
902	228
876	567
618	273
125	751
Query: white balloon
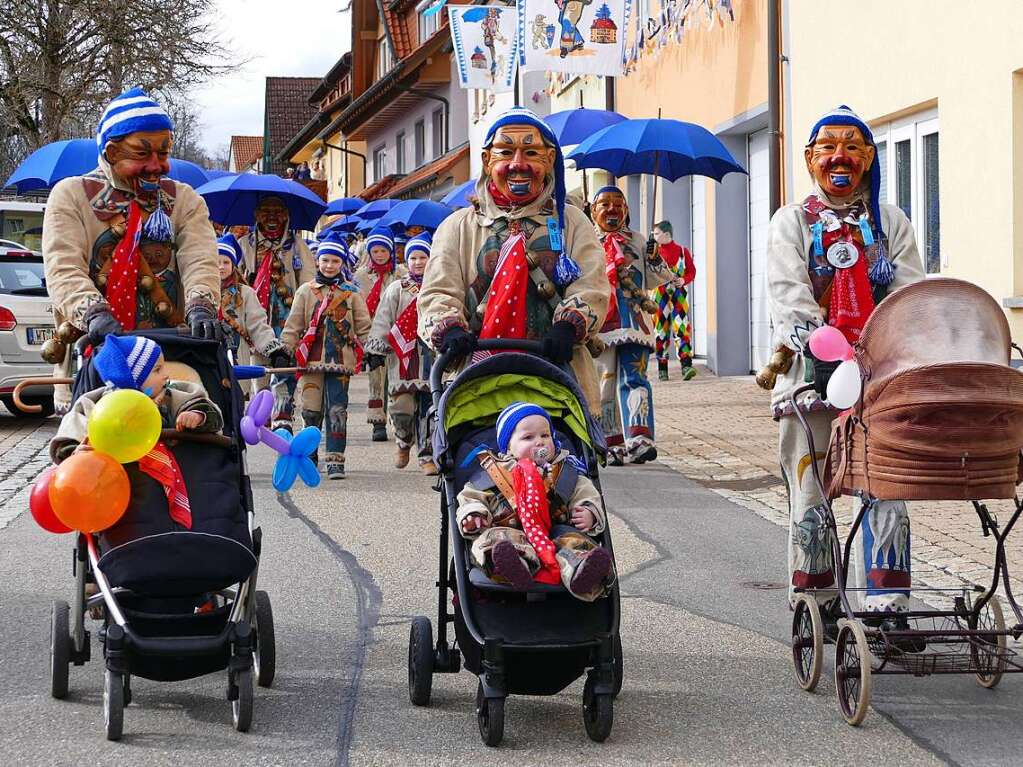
845	385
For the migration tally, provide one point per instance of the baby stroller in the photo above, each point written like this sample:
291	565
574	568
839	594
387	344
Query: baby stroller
152	574
940	418
532	643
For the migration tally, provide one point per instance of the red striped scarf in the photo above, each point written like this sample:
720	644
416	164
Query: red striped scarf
160	464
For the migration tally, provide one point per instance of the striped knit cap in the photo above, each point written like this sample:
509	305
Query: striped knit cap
131	112
125	362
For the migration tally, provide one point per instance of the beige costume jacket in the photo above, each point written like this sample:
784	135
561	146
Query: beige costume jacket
647	274
346	312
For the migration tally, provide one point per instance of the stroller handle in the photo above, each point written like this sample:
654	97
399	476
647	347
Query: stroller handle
444	359
798	411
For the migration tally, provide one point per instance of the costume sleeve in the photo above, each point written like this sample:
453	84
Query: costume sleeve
903	250
66	252
298	318
196	244
214	423
473	501
361	321
446	281
308	270
794	311
386	316
690	267
585	494
73	429
586	299
263	339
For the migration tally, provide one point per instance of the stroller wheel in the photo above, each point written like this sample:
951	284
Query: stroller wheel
60	648
598	712
619	666
852	671
489	717
241	706
113	704
807	642
420	661
988	654
264	658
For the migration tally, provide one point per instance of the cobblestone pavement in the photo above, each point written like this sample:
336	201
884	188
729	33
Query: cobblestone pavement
23	454
719	432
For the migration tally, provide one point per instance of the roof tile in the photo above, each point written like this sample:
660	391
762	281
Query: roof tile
287	110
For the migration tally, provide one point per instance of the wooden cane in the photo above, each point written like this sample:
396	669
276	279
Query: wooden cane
36	382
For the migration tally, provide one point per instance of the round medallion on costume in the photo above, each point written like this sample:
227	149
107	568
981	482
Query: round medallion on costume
843	254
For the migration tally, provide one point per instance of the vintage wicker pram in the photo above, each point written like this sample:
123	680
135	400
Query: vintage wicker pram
940	418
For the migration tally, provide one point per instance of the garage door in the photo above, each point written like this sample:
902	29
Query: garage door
698	238
759	217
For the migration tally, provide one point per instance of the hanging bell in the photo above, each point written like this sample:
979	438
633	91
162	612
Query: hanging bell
163	309
54	351
282	291
533	259
101	280
545	289
68	333
649	306
287	300
147	283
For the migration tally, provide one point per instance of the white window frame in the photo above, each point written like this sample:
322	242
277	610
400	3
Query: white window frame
381	171
428	25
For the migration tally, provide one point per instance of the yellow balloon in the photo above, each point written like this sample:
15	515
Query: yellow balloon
125	424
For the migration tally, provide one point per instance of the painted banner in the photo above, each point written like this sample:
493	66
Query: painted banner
585	37
483	37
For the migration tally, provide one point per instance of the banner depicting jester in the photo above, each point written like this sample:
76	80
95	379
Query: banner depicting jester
484	41
585	37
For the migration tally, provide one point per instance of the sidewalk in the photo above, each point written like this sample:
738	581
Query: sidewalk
23	444
718	432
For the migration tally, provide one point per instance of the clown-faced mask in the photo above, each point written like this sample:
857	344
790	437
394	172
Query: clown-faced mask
141	159
610	211
271	218
518	163
838	159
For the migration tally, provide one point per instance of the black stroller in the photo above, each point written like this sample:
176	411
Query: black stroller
532	643
176	603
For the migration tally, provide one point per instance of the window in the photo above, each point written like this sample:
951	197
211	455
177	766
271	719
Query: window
385	59
379	162
437	128
427	24
910	179
420	139
399	152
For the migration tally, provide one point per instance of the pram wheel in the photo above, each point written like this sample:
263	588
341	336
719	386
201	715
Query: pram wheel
113	704
241	706
489	717
991	662
420	661
852	671
598	712
60	649
807	642
264	657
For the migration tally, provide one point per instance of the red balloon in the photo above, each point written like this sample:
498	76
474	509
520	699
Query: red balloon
39	504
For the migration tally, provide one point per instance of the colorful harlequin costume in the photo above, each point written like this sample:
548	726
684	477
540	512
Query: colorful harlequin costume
672	301
241	311
830	259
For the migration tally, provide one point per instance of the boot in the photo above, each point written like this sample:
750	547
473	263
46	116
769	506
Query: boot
688	371
401	458
429	468
662	370
335	466
379	432
509	567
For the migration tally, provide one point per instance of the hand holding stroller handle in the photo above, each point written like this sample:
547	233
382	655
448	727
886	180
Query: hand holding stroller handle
443	359
798	411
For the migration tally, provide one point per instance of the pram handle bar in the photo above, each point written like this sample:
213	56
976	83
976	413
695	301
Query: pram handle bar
798	412
201	438
444	359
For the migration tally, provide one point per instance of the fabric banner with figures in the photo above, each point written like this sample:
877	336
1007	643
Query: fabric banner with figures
484	40
585	37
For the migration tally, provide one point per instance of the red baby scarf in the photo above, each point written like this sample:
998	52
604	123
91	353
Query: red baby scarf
535	517
160	464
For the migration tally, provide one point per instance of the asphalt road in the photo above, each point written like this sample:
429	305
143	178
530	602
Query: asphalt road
708	670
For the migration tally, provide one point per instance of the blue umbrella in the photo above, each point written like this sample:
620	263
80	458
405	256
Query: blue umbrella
344	206
344	224
375	209
212	173
424	213
188	173
365	226
53	162
232	200
670	149
476	14
459	196
573	126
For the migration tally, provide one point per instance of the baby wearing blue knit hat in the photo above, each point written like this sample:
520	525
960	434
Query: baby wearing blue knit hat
531	512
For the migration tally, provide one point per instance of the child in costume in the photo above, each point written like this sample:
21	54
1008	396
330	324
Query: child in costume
241	311
531	512
408	370
379	271
325	331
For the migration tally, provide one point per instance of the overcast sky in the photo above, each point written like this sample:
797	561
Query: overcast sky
287	38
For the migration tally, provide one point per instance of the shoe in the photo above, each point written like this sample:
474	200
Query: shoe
401	458
509	567
644	454
614	457
335	471
662	370
379	432
591	572
429	468
688	373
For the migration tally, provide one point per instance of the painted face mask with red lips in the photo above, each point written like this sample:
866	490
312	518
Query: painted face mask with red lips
838	159
518	163
141	159
271	217
610	211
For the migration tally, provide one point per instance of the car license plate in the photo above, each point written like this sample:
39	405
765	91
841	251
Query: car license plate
38	336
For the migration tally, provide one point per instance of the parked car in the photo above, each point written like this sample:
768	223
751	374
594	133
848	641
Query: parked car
21	222
26	323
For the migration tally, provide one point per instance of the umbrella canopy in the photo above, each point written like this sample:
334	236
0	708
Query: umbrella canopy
212	173
424	213
365	226
232	200
188	173
53	162
573	126
459	196
344	206
375	209
343	224
670	149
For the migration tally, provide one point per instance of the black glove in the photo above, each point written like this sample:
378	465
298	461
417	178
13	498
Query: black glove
457	341
102	324
650	245
203	323
559	343
373	361
281	358
822	372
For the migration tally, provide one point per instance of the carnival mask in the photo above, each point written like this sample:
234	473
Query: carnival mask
157	254
518	163
271	217
610	211
141	159
838	159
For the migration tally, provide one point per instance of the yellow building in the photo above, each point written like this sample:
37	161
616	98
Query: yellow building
934	79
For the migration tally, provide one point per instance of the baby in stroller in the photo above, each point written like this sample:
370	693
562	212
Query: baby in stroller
530	511
134	362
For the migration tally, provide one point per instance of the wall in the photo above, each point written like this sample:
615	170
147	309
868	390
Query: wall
967	59
484	107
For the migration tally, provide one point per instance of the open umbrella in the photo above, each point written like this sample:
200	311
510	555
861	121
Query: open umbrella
344	206
343	224
573	126
375	209
49	164
459	196
212	173
232	200
424	213
188	173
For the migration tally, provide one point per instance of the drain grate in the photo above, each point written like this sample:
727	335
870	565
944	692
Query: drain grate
762	585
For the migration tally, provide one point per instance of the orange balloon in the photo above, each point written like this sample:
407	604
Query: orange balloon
89	491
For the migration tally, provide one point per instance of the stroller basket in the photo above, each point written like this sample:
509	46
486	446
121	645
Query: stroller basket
964	655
